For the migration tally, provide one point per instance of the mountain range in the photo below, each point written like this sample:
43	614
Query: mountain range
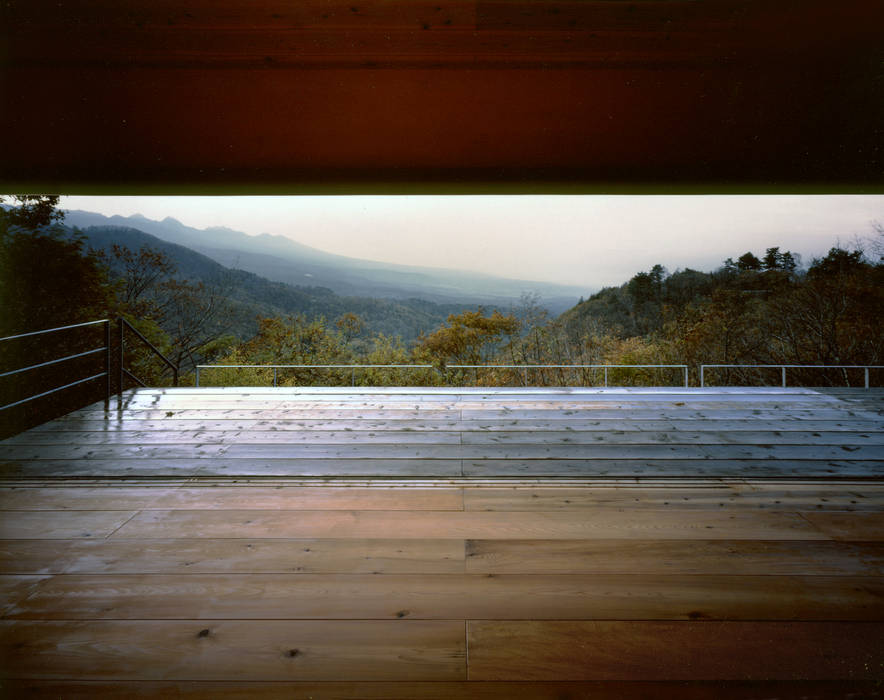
281	259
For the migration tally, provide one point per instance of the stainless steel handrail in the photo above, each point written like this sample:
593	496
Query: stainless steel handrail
105	349
605	367
359	366
52	330
52	362
353	369
52	391
123	372
783	369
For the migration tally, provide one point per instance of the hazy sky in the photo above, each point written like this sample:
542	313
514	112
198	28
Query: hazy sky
587	240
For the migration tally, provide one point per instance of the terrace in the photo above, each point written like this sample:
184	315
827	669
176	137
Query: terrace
445	542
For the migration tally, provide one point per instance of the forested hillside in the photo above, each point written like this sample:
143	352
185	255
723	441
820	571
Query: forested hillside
757	310
249	297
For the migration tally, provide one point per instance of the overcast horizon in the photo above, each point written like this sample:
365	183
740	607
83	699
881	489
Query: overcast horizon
583	240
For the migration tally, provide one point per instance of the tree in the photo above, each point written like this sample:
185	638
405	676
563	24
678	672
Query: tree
469	338
772	258
31	211
46	281
837	263
350	325
789	261
747	262
139	274
179	316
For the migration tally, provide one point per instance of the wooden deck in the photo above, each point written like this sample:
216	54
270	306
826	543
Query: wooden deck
413	543
444	433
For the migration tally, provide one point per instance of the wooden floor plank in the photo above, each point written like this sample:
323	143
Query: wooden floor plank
229	497
125	424
292	413
703	468
105	498
849	526
444	690
430	468
46	525
235	650
223	437
487	452
14	589
682	413
670	437
779	497
696	557
468	525
88	452
566	650
451	597
243	556
390	450
224	467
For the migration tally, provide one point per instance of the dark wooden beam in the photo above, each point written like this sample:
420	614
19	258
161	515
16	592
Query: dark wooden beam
447	95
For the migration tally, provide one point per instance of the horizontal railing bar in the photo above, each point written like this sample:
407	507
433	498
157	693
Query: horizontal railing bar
53	362
52	391
804	366
52	330
149	344
314	366
432	366
560	366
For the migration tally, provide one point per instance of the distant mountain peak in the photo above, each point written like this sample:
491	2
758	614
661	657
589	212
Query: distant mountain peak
173	221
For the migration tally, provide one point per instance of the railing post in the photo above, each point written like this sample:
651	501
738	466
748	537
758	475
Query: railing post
867	377
353	376
197	375
685	376
120	385
274	376
107	363
784	375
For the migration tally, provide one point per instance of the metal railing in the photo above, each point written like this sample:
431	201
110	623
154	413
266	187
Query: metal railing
353	369
783	369
684	368
276	369
106	349
122	324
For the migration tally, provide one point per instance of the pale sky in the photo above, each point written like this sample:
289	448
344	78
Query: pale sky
586	240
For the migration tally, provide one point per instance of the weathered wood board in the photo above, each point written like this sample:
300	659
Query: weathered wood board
618	650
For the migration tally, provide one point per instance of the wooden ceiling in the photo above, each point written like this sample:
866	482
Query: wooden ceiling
442	95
